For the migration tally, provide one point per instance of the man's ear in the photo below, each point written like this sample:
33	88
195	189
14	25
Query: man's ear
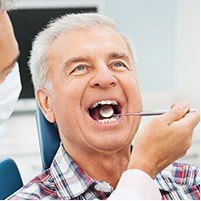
45	103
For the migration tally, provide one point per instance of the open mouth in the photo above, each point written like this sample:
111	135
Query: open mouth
104	111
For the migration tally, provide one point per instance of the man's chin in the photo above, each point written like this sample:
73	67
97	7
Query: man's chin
109	140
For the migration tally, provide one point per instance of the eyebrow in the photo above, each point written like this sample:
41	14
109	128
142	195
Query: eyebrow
118	55
75	60
112	55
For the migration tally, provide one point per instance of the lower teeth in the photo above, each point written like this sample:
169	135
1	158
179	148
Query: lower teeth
108	121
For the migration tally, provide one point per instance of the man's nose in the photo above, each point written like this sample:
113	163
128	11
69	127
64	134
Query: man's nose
103	78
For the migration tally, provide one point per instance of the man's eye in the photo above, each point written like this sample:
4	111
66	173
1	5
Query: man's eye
119	66
79	70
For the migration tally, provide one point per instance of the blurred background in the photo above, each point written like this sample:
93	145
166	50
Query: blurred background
166	36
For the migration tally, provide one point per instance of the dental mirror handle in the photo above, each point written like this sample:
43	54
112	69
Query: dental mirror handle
149	113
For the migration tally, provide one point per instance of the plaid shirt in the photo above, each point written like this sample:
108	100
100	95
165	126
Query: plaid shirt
65	180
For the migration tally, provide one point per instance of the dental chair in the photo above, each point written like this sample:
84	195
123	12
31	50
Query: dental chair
10	178
49	139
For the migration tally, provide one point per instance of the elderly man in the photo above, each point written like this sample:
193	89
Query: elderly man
10	85
83	72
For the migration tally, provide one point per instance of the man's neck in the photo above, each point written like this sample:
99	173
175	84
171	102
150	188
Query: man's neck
102	167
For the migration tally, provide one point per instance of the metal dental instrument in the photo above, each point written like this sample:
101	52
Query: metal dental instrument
148	113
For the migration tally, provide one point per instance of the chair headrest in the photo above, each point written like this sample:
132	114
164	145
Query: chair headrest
49	139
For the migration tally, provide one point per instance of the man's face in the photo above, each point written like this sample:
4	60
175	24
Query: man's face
8	46
90	69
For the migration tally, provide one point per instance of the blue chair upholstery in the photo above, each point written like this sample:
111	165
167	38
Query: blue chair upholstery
49	139
10	178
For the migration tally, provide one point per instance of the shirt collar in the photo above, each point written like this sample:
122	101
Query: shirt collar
70	180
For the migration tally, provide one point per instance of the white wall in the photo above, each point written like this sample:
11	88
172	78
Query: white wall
188	62
188	50
151	25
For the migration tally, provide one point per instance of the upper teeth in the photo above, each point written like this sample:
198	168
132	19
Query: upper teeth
104	102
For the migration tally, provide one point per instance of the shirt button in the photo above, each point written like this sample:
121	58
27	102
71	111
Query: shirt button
87	195
97	187
103	186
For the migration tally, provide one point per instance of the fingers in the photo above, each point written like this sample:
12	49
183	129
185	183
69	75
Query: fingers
173	104
178	111
190	120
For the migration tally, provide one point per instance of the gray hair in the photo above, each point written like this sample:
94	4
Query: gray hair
7	4
38	62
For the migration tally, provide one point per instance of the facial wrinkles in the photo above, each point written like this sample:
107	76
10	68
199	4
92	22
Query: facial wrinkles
98	61
92	61
51	63
128	81
120	78
94	42
97	56
94	51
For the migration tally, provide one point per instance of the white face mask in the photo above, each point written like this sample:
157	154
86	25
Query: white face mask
10	90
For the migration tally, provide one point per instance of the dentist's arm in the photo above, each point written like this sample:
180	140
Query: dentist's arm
158	144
